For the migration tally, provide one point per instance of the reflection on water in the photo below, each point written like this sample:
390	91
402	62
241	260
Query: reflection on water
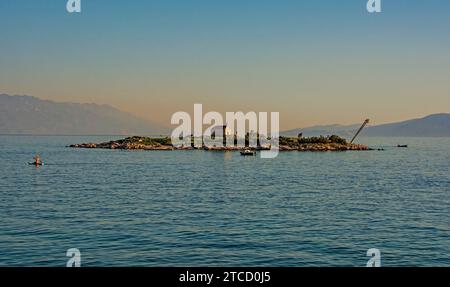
218	208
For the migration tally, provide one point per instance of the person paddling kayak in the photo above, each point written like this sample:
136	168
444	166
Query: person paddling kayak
37	161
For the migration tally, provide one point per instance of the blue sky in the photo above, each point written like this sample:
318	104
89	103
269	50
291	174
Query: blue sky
316	62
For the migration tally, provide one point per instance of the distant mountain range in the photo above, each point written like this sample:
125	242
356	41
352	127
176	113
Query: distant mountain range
30	115
437	125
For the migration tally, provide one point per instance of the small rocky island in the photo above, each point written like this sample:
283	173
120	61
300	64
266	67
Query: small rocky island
322	143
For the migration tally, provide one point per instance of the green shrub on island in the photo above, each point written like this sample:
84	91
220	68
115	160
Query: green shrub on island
149	141
338	140
323	140
288	141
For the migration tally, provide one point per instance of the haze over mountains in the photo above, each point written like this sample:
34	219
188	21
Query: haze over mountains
31	115
437	125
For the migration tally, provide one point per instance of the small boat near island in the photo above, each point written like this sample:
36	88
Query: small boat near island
402	145
248	152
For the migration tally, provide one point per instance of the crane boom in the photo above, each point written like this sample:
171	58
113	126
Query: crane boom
360	130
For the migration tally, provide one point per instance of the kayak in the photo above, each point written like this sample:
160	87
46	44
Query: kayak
38	164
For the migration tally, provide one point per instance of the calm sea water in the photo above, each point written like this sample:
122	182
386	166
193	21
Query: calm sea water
196	208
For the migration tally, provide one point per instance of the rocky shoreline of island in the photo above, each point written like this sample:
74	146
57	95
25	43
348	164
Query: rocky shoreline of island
319	144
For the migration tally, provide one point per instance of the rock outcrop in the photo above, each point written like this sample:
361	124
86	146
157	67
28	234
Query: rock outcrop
286	144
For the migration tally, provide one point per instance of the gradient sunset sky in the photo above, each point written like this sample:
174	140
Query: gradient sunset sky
315	62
